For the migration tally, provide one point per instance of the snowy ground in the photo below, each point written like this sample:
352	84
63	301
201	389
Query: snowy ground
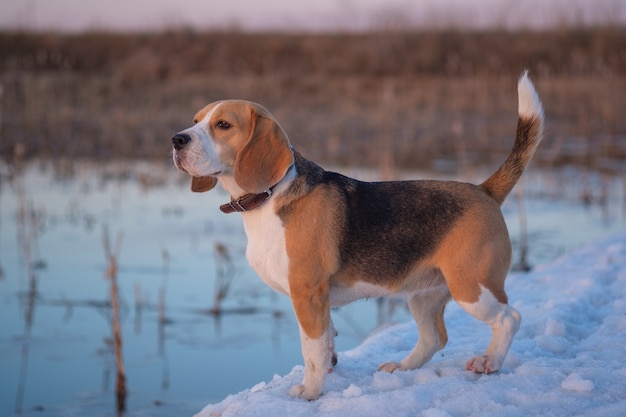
568	359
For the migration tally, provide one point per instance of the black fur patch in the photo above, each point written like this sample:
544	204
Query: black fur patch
390	225
387	226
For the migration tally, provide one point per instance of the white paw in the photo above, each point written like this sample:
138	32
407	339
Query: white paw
301	391
483	364
389	367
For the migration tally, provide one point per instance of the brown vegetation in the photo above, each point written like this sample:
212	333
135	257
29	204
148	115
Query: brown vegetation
401	99
111	274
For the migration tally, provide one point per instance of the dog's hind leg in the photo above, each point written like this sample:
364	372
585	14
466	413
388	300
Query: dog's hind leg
427	309
331	344
504	321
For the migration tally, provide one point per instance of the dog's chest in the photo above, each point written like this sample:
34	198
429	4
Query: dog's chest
266	250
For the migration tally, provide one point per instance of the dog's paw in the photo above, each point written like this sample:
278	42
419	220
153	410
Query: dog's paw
389	367
301	391
483	364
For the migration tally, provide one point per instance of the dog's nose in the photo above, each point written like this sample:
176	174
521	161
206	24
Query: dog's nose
180	140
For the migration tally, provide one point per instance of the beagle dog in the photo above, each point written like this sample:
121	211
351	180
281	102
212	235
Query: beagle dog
326	240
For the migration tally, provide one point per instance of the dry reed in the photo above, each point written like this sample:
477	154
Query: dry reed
111	274
225	272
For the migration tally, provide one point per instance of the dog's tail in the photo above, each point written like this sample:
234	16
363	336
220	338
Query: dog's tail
527	138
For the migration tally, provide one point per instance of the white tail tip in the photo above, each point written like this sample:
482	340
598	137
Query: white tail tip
529	106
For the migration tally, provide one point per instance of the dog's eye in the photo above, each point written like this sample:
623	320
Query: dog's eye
223	124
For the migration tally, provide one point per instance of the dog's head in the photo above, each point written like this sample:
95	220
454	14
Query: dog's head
233	138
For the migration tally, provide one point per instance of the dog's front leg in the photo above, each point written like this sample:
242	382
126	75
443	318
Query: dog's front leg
316	336
317	363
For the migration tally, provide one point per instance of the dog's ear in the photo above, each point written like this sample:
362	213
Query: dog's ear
266	156
202	184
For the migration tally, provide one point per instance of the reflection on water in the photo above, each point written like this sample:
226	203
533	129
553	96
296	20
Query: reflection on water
112	256
195	321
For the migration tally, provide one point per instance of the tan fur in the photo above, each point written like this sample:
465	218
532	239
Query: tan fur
476	252
201	114
311	242
529	134
437	317
265	157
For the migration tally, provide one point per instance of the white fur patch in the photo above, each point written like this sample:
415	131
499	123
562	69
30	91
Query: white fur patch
340	296
529	105
504	321
486	308
317	355
201	157
267	250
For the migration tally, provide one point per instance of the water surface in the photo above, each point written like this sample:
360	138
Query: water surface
56	355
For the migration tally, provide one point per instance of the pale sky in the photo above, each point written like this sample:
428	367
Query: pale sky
138	15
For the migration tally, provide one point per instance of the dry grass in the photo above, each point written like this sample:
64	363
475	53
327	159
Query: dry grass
391	99
112	255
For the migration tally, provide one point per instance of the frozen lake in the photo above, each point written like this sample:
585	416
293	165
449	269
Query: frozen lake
56	353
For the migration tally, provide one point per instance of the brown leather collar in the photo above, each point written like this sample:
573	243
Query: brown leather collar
247	202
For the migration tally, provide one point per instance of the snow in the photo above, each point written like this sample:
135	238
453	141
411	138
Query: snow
568	358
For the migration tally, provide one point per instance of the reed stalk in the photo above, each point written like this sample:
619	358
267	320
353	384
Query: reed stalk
111	274
522	264
225	272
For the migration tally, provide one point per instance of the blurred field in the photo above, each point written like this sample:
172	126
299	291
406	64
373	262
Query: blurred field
436	100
